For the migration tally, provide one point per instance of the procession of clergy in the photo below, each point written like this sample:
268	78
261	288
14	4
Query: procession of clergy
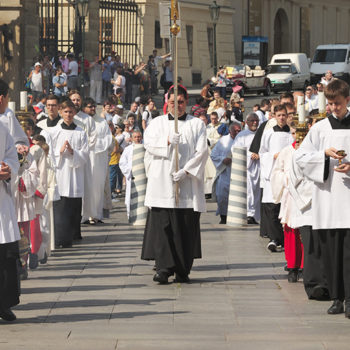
55	181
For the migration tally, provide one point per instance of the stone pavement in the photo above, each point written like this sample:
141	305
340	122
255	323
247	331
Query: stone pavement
99	295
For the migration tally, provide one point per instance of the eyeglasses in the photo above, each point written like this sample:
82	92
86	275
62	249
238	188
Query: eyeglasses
308	89
252	121
178	102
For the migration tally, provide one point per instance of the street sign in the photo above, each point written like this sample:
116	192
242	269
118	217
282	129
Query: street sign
165	19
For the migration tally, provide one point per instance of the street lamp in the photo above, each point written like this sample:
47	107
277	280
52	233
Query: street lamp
82	7
214	9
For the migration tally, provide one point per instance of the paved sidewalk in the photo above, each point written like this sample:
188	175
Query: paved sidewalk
100	295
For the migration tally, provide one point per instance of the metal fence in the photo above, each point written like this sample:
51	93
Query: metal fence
119	27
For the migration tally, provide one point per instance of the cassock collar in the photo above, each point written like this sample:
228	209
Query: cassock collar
183	117
340	124
263	112
278	128
51	123
68	127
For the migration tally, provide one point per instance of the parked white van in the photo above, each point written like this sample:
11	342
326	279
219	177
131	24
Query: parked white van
331	57
289	71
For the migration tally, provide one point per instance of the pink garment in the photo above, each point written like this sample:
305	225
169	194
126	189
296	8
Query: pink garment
293	248
35	235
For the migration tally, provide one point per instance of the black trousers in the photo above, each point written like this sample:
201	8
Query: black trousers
67	217
335	255
9	275
313	271
272	225
172	239
263	218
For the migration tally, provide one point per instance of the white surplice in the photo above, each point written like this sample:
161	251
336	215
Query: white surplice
40	157
330	197
25	204
160	163
88	124
244	139
125	164
221	151
272	142
99	163
213	135
70	167
9	120
9	231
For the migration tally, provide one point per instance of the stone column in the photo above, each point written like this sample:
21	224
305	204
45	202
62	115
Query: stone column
92	30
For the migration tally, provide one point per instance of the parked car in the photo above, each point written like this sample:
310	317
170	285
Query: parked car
335	58
250	80
289	71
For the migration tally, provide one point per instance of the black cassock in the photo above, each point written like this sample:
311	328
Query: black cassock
172	238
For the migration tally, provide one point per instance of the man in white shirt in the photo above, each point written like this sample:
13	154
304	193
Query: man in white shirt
72	73
172	233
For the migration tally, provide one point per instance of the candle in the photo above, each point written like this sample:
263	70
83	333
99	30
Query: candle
23	100
321	102
12	106
301	109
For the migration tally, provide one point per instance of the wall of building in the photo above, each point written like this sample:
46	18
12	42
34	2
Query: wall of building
309	23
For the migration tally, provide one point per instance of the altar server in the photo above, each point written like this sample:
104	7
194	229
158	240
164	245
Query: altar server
98	158
9	232
222	159
272	142
323	158
172	235
70	148
244	139
125	165
88	124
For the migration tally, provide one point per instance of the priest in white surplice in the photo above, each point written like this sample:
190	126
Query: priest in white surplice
9	233
172	234
70	149
125	165
98	158
222	159
244	139
88	124
319	156
272	142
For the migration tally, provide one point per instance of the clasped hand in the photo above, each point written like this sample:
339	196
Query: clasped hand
66	146
5	171
178	176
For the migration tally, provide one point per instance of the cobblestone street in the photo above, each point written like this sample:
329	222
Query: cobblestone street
100	295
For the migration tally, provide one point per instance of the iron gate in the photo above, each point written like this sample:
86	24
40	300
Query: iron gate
118	32
57	23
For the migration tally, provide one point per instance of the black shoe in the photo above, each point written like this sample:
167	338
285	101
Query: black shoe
251	221
208	196
33	261
78	237
67	245
161	278
23	274
293	276
7	315
272	246
181	278
223	219
336	308
319	293
44	259
347	308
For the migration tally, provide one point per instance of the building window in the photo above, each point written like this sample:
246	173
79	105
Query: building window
158	43
189	37
167	45
210	32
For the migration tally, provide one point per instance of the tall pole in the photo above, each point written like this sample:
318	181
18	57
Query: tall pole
215	54
175	29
